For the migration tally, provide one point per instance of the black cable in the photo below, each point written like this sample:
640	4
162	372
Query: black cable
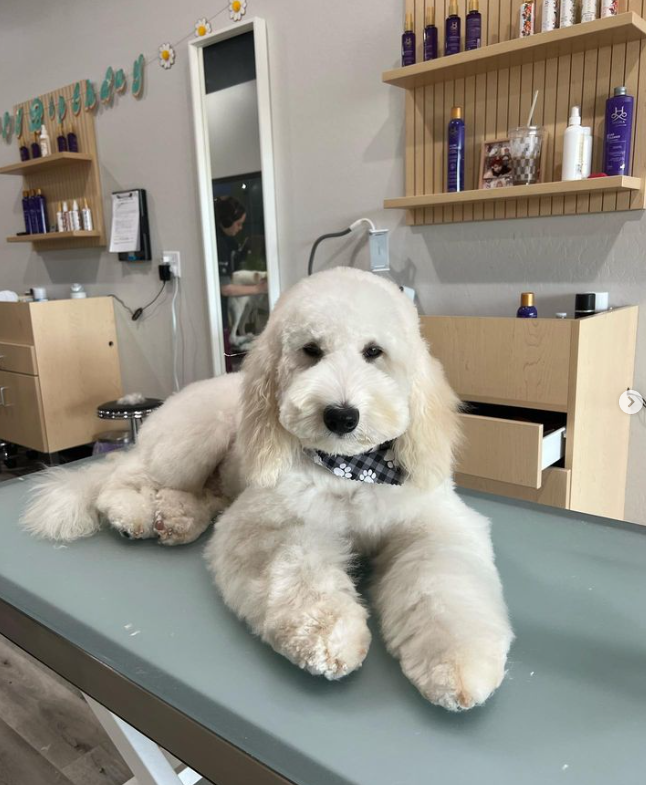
310	265
134	315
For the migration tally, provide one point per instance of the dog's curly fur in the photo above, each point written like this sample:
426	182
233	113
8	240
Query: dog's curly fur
282	549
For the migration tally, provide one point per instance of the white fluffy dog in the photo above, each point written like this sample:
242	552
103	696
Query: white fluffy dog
340	377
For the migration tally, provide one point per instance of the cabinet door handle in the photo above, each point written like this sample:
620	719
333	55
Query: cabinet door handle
2	399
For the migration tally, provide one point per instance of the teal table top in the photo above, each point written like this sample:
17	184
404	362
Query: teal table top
572	708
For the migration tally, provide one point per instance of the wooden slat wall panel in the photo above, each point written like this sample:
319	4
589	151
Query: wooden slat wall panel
587	110
73	182
617	74
493	102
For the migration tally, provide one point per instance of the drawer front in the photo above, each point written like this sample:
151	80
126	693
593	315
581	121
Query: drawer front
18	358
507	450
554	490
15	323
21	411
522	362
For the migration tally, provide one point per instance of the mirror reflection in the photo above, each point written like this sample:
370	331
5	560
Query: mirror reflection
231	106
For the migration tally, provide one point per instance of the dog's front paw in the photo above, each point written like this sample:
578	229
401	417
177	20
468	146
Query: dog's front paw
457	680
330	639
181	517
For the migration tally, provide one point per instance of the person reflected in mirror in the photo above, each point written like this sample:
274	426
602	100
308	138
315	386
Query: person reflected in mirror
239	288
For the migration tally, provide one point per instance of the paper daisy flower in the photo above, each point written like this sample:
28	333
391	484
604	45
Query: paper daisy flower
202	28
237	9
166	55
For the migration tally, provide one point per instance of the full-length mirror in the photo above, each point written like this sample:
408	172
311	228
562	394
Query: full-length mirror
235	169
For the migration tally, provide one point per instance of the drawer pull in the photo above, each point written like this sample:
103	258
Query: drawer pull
2	398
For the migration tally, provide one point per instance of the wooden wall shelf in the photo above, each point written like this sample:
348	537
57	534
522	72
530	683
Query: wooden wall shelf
613	30
575	66
598	184
54	237
63	176
49	162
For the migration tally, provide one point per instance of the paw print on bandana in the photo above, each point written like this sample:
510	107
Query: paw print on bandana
367	475
343	470
389	457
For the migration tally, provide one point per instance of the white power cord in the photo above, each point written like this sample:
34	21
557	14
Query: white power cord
174	322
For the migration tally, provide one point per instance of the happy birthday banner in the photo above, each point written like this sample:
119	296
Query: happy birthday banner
85	95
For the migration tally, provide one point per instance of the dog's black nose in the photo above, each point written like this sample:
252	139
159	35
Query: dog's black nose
125	534
341	419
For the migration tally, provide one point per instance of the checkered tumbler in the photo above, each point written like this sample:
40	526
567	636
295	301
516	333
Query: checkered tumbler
525	145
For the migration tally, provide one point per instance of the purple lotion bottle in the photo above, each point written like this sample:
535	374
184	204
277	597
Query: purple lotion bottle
408	42
72	141
618	133
35	148
61	141
24	152
26	211
527	308
473	32
452	36
455	168
41	206
430	35
34	213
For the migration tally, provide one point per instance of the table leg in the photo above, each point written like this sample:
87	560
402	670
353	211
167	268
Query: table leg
146	760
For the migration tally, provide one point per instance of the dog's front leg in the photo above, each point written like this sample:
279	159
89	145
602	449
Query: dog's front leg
288	579
440	600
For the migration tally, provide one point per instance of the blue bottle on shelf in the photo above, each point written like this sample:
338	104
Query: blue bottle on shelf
527	308
26	211
408	42
456	151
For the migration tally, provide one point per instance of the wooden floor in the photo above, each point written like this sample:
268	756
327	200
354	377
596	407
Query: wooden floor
48	735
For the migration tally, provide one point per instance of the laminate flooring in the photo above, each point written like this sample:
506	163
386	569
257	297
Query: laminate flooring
48	734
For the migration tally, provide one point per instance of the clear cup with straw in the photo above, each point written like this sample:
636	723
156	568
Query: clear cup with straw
525	146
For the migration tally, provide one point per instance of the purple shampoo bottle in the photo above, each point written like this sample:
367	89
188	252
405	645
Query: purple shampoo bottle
618	133
473	32
408	42
455	170
430	35
26	211
452	35
527	308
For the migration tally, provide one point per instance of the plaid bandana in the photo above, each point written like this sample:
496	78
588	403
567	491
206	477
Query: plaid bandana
377	466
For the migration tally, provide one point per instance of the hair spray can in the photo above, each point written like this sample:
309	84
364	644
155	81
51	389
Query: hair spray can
549	16
588	10
526	20
608	8
568	13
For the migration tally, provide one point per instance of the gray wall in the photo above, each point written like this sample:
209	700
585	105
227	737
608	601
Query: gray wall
338	144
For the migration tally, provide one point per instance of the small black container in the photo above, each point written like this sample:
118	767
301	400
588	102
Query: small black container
584	305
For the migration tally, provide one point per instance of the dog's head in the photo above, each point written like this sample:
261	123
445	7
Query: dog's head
341	367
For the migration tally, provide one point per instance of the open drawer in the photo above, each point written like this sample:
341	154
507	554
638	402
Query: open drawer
509	450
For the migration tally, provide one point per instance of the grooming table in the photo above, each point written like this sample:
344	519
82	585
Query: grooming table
141	629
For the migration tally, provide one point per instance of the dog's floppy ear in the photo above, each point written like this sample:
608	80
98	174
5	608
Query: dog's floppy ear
427	448
266	448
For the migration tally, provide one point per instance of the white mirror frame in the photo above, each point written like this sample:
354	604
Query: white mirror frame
203	155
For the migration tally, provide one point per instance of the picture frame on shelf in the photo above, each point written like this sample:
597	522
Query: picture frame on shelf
495	164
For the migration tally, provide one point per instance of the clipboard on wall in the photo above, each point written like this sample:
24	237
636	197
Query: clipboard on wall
130	234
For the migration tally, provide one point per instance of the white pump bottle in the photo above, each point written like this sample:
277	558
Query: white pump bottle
577	148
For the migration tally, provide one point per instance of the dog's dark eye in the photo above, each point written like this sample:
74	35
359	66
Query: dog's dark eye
313	350
372	351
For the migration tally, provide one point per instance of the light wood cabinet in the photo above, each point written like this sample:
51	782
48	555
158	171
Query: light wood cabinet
566	442
58	361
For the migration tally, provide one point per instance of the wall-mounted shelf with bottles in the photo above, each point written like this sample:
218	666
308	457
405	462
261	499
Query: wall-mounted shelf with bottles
495	84
63	176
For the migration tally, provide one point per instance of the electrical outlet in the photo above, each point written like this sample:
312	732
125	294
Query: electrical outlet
174	259
379	250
